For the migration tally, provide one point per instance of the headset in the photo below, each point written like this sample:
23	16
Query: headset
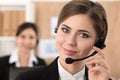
101	42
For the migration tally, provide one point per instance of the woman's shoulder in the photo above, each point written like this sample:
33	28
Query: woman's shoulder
49	72
33	74
4	59
41	61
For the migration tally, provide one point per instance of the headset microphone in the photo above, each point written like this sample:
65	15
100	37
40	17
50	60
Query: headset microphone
70	60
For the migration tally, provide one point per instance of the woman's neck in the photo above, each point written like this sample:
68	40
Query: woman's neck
24	59
72	68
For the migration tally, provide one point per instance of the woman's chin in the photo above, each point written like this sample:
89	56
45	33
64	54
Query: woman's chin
26	51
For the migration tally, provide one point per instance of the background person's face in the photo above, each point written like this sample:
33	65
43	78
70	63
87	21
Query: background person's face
75	37
26	40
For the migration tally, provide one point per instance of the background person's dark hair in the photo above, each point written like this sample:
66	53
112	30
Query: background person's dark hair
27	25
94	10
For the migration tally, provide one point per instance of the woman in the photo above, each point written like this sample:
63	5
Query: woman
82	28
23	55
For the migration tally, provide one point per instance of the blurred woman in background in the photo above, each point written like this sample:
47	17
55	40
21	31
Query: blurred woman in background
23	55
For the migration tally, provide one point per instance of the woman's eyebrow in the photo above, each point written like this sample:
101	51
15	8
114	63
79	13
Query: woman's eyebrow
84	31
66	26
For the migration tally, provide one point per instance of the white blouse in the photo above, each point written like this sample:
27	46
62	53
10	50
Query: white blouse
65	75
14	58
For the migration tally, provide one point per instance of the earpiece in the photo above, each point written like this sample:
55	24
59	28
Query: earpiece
56	29
101	42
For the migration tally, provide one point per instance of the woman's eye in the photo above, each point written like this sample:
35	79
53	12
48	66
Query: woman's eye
65	30
84	35
23	36
31	37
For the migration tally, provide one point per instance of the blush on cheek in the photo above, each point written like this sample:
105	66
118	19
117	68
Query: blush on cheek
87	49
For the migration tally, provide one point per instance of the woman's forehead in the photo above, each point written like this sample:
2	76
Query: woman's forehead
80	22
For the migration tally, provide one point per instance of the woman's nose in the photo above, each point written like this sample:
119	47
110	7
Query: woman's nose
71	40
27	41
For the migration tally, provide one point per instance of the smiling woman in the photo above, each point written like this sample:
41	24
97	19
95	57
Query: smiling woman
81	28
77	38
23	55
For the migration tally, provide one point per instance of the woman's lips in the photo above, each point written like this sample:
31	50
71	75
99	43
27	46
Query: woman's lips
69	52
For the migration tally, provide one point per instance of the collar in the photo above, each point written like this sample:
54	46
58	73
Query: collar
14	58
65	75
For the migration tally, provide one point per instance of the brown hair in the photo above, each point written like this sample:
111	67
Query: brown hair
93	9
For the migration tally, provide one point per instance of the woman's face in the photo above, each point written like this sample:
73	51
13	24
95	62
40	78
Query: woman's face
75	37
26	40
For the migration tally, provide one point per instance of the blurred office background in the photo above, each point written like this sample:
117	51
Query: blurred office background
44	13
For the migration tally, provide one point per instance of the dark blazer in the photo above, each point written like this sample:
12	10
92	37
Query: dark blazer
5	66
49	72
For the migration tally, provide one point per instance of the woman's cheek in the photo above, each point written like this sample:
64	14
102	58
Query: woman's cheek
59	42
86	48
